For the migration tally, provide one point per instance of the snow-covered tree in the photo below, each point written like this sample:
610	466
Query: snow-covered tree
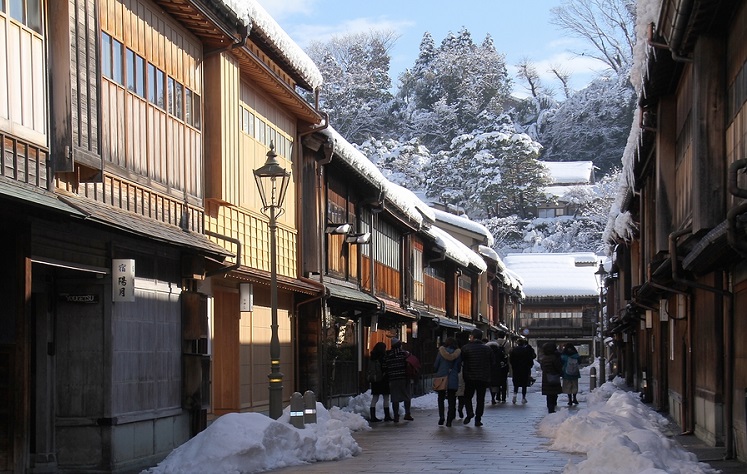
592	125
356	91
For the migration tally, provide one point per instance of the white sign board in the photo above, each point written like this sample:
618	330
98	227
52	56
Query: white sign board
123	279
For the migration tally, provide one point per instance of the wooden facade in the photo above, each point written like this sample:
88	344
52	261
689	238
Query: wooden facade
676	287
131	130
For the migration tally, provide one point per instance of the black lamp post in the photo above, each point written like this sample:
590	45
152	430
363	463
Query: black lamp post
272	182
601	274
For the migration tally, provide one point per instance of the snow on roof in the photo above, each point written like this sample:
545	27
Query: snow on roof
556	274
455	250
620	224
507	277
403	199
569	172
465	223
257	17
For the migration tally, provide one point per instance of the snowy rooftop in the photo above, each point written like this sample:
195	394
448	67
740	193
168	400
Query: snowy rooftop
556	274
456	250
569	172
466	224
257	18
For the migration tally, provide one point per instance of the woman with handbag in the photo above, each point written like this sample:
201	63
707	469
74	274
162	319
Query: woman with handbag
446	378
552	370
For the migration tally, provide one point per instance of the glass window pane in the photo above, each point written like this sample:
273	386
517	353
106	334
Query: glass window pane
140	76
170	93
160	77
130	64
34	15
106	55
117	62
196	111
188	106
16	10
178	101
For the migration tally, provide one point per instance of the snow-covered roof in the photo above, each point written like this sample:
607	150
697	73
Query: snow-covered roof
556	274
507	277
455	250
258	19
620	224
464	223
569	172
403	199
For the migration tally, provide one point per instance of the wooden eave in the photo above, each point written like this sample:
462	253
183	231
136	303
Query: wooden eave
263	77
218	27
213	23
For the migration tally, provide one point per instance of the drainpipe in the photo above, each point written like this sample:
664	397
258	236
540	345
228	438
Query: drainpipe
244	31
230	268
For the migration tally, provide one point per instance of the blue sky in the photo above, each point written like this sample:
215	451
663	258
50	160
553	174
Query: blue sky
520	29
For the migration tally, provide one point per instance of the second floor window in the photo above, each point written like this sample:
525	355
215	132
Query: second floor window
26	12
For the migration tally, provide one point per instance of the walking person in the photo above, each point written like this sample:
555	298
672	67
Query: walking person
571	372
476	372
499	368
552	371
448	364
379	381
395	368
521	358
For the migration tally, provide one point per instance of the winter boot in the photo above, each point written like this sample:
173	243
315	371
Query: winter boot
396	413
441	414
373	418
387	414
570	399
575	401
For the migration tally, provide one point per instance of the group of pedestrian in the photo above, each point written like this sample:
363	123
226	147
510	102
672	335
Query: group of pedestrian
560	374
388	376
468	373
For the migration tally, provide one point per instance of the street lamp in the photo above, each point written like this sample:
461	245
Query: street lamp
601	274
272	182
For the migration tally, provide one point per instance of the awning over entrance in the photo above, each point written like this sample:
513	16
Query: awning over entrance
130	222
35	196
351	295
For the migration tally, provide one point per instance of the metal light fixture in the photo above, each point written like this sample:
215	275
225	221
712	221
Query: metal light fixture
601	274
362	238
338	228
272	182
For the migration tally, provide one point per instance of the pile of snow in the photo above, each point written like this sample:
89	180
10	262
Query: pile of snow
253	442
618	433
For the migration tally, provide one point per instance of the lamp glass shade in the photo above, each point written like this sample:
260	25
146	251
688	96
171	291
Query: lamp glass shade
272	181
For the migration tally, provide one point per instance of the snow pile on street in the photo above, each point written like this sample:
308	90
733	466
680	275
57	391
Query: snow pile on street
618	433
253	442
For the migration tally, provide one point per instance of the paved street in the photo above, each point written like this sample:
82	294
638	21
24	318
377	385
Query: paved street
507	443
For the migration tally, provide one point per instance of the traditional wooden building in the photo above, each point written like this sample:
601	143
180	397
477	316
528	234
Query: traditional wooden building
678	290
102	182
561	299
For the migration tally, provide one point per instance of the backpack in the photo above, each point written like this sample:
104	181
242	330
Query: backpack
412	367
375	374
571	367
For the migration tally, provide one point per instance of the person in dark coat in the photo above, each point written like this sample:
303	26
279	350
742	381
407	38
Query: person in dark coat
448	364
570	380
499	368
395	368
476	357
521	358
552	371
379	381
